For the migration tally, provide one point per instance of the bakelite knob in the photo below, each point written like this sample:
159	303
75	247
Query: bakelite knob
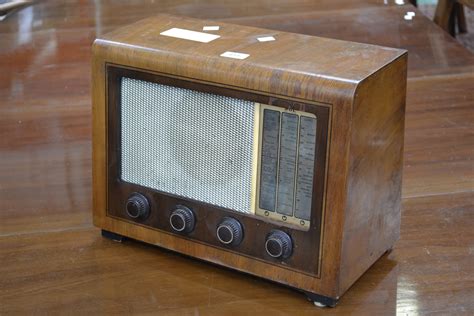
278	244
137	206
182	219
230	232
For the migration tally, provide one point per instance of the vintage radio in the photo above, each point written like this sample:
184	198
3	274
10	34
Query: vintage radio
275	154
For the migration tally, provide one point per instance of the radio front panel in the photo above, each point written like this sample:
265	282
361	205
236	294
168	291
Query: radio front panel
233	169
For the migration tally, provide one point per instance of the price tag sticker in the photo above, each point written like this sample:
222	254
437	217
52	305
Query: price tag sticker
265	39
210	28
190	35
234	55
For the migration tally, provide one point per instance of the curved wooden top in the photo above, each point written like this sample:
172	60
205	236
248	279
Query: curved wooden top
309	64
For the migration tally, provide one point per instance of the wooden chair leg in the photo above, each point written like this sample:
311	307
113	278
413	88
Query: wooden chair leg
444	15
452	22
461	18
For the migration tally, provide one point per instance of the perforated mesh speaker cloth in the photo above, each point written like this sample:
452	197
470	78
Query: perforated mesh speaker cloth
187	143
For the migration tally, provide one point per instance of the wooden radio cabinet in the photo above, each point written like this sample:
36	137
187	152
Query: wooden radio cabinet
274	154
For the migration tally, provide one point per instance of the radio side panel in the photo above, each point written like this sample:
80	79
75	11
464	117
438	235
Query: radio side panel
372	214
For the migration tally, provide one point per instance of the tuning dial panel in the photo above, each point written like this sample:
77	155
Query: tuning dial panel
137	206
229	232
278	244
182	219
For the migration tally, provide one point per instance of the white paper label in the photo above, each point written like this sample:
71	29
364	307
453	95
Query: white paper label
266	39
235	55
210	28
190	35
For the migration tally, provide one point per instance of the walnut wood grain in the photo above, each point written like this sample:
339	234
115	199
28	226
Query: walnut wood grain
357	81
372	215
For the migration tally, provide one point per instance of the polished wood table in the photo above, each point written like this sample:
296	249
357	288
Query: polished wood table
53	261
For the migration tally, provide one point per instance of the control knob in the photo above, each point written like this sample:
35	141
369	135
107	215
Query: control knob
182	219
137	206
278	244
230	232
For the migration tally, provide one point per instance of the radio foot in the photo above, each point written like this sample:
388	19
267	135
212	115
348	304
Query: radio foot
317	304
320	300
112	236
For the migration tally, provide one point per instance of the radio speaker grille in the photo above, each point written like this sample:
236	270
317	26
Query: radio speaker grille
188	143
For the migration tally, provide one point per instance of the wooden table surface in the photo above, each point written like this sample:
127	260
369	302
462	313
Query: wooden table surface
53	261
